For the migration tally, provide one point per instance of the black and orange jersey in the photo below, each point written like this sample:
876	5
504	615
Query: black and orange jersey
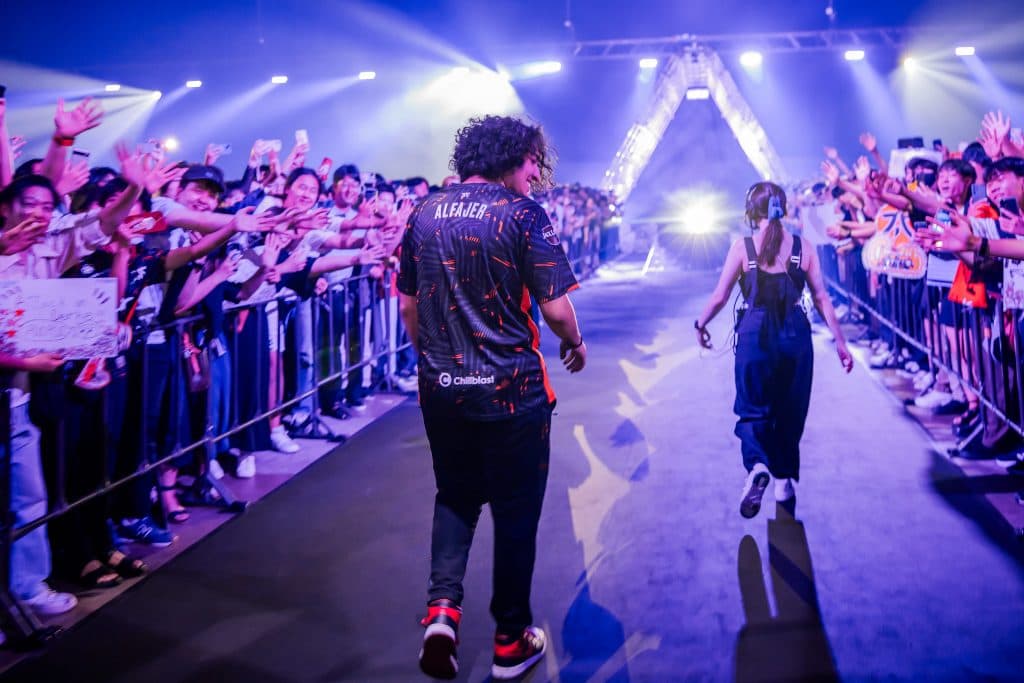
473	255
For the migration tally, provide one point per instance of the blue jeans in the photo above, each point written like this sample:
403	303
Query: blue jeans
303	322
219	398
30	556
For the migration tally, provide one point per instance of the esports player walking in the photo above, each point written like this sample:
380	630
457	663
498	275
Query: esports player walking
473	257
774	357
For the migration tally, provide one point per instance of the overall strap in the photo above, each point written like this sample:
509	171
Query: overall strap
794	259
748	242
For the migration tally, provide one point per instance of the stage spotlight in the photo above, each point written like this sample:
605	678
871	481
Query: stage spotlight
698	93
193	84
157	95
171	143
367	75
854	55
460	71
648	63
751	59
964	51
113	87
910	64
278	80
542	68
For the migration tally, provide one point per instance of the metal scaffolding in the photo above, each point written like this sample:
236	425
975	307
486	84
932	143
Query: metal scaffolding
699	68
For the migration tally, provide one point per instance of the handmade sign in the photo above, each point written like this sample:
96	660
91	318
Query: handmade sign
892	250
76	318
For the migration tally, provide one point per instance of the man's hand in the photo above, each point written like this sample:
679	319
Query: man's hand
948	238
22	236
85	116
133	166
44	362
574	359
317	219
161	174
244	221
862	169
272	249
830	172
295	158
17	144
213	152
997	124
868	142
372	253
74	177
1011	222
831	153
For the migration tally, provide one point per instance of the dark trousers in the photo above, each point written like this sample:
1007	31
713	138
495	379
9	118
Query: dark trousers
773	393
503	463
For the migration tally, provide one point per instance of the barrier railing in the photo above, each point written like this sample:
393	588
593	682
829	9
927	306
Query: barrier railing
283	353
975	346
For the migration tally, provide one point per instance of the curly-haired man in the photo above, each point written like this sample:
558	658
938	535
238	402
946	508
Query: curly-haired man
473	256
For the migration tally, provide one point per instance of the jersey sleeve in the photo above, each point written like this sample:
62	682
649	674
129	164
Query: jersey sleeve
406	281
545	269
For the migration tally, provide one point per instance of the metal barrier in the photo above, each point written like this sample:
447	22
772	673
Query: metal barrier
976	347
347	339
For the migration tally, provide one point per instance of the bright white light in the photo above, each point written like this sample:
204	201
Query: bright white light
699	219
171	144
542	68
112	87
854	55
698	93
193	84
910	64
751	59
279	80
965	51
648	63
460	71
157	95
367	75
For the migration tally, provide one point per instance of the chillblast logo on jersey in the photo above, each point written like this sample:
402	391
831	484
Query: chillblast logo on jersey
550	235
446	380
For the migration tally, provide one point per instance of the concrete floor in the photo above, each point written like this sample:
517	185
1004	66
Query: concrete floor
891	570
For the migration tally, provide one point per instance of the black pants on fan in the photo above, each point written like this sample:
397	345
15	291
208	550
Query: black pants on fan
503	463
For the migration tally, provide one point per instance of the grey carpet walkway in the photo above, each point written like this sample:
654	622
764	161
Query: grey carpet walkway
646	571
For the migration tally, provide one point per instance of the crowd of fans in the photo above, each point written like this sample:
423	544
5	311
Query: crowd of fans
237	298
948	309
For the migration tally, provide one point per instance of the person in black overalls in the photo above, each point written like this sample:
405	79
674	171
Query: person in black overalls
774	355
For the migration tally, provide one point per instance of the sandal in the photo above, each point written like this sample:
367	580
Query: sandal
102	576
178	515
127	567
967	416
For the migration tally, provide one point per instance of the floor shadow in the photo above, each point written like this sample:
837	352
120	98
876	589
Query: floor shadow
966	495
591	636
790	645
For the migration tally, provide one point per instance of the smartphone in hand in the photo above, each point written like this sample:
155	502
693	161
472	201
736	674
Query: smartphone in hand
301	137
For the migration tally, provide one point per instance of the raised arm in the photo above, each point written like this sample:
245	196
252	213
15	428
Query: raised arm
67	126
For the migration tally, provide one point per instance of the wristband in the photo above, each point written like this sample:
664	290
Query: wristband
63	141
577	345
697	326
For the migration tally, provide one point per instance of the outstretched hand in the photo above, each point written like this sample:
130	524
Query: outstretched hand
69	124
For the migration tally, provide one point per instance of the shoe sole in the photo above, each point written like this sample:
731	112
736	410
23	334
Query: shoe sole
751	503
504	673
437	658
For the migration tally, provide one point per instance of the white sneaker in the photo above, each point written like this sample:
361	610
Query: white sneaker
407	384
933	400
49	602
753	490
246	467
282	442
923	380
216	471
784	490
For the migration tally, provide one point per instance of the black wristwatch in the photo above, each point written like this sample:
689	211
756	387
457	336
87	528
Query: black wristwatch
697	326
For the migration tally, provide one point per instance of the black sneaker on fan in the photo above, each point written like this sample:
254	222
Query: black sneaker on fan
438	658
513	657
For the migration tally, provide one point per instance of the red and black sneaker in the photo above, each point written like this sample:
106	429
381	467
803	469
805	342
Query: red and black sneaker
438	658
513	657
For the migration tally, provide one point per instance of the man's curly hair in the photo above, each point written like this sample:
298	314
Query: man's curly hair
492	146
